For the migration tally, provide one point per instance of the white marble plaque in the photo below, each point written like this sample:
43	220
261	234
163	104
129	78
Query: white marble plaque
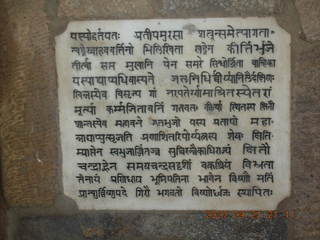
175	114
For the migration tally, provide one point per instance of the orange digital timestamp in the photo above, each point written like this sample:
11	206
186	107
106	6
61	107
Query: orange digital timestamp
272	214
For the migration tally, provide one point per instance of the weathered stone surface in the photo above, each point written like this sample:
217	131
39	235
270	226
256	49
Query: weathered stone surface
306	81
305	146
3	217
309	13
236	7
3	65
28	110
164	226
156	8
102	9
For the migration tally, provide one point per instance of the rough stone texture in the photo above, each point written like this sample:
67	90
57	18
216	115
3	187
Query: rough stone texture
29	127
162	226
96	9
105	9
28	106
3	207
3	217
305	197
234	7
309	13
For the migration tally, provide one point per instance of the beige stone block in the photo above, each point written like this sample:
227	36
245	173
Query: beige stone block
105	9
28	110
304	202
309	13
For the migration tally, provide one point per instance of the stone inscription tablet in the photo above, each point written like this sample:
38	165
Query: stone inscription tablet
175	114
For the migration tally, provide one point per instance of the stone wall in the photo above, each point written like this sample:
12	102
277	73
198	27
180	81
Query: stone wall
29	144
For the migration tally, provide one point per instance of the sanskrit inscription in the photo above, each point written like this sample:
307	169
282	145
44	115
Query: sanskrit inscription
178	114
